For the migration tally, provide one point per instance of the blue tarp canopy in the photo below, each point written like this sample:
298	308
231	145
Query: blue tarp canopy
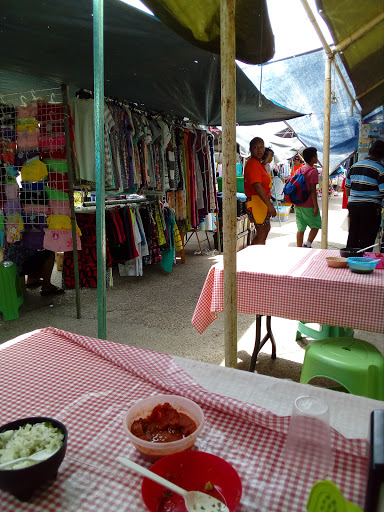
298	83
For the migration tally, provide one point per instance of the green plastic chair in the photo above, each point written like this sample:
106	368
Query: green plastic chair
11	294
326	331
355	364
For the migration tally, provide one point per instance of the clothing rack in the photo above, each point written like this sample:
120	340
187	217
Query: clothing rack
114	202
180	122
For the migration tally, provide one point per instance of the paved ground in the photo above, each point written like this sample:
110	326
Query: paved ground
154	311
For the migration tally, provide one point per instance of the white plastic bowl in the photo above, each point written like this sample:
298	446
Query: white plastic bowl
144	408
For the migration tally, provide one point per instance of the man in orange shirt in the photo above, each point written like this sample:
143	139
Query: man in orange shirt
257	188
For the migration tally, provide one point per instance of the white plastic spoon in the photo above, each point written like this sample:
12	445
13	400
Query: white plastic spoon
365	248
36	457
195	501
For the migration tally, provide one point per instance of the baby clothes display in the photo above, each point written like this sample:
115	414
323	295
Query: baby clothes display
34	186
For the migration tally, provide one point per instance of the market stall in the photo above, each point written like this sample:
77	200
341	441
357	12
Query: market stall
136	84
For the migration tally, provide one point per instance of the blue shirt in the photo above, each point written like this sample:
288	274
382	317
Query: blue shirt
365	179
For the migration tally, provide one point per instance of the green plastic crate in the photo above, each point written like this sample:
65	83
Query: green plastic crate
240	184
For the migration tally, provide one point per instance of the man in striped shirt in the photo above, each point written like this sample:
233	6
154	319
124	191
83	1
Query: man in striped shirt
364	187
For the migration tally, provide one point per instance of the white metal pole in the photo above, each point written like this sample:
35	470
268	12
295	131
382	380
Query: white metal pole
228	121
326	145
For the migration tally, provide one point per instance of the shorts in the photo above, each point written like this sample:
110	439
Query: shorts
266	221
304	218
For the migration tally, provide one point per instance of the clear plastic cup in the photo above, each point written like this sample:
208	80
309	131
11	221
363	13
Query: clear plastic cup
308	449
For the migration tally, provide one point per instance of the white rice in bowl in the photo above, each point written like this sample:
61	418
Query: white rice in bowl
27	440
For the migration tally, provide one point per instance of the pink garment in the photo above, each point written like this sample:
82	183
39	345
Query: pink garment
36	208
11	191
28	140
60	240
311	178
13	233
28	111
59	208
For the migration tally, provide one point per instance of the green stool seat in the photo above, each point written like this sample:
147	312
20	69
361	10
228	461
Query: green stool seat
355	364
11	294
326	331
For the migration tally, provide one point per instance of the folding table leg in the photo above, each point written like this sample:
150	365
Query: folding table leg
198	241
252	366
271	337
209	243
260	344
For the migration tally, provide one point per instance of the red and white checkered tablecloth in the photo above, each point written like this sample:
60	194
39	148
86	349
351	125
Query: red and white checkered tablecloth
296	284
88	384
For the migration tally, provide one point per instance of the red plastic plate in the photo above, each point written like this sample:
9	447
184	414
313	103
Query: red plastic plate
193	471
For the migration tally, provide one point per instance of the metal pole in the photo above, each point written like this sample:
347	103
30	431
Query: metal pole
65	95
228	121
98	72
326	145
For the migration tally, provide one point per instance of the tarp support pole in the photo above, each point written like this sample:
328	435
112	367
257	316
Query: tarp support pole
360	32
326	145
228	121
328	50
65	95
312	19
98	73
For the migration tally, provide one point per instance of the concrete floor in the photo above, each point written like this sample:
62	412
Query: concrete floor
154	311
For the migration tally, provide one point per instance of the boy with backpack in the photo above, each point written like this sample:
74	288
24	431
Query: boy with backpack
307	209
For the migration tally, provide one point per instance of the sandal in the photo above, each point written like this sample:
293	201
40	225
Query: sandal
52	291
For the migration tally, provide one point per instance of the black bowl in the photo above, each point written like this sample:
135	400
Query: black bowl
350	252
23	482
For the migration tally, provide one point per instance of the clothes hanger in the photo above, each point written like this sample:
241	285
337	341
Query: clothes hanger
34	99
52	100
23	101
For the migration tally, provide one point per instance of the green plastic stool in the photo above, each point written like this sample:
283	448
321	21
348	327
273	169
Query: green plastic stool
326	331
11	294
355	364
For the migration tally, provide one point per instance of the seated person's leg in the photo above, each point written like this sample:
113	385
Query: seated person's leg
41	265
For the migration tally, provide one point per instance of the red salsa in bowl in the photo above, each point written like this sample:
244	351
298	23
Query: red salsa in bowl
163	424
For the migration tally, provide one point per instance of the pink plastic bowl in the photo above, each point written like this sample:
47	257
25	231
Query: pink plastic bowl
144	408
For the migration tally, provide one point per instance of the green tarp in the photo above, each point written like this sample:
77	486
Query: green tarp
145	62
364	58
198	22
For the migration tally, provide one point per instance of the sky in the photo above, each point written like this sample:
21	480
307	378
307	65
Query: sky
293	31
